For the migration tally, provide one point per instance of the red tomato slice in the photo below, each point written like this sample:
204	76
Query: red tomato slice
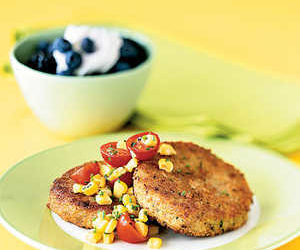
116	157
141	150
83	174
126	230
127	178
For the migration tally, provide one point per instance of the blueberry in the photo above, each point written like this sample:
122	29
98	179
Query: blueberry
50	64
67	72
42	62
73	59
121	66
61	45
132	52
88	45
129	50
43	46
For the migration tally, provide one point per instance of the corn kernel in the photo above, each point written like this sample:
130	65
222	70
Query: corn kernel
108	217
103	198
108	238
93	236
142	228
111	226
122	144
143	215
106	170
127	199
153	230
154	243
149	140
99	180
116	173
100	224
121	209
77	188
106	190
165	164
130	191
90	189
131	164
166	149
101	215
118	210
132	209
120	188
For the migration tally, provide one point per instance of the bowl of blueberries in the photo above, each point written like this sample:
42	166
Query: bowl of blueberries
81	80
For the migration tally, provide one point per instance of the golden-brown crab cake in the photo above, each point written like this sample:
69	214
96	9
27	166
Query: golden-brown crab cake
78	209
202	196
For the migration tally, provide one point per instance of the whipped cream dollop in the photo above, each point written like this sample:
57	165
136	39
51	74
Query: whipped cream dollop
107	49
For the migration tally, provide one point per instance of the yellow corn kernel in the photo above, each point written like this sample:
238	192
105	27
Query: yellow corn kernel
90	189
153	230
111	226
130	191
108	217
108	238
101	215
131	164
143	215
122	144
106	190
93	236
120	188
121	209
106	170
116	173
165	164
132	209
103	198
100	224
149	140
154	243
118	210
166	149
127	199
77	188
99	180
142	228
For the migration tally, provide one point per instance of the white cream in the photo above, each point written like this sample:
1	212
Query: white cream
60	59
107	49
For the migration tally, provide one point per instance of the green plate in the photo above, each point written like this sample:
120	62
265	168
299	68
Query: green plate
24	191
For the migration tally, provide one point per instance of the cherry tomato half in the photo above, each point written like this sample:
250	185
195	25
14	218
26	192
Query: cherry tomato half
83	174
116	157
126	230
127	178
141	150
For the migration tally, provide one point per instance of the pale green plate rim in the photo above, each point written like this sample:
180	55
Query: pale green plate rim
39	245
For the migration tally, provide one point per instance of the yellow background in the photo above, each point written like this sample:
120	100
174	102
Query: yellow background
263	35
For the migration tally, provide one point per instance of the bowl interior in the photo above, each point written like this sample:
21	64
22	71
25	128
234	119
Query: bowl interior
25	48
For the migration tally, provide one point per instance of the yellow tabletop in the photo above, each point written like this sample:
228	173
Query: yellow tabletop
260	34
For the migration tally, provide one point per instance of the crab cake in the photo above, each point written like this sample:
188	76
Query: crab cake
202	196
78	209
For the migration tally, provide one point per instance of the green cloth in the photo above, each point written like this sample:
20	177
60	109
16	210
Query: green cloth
192	92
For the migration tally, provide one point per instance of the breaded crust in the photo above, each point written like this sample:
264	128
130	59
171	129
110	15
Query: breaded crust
202	196
78	209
